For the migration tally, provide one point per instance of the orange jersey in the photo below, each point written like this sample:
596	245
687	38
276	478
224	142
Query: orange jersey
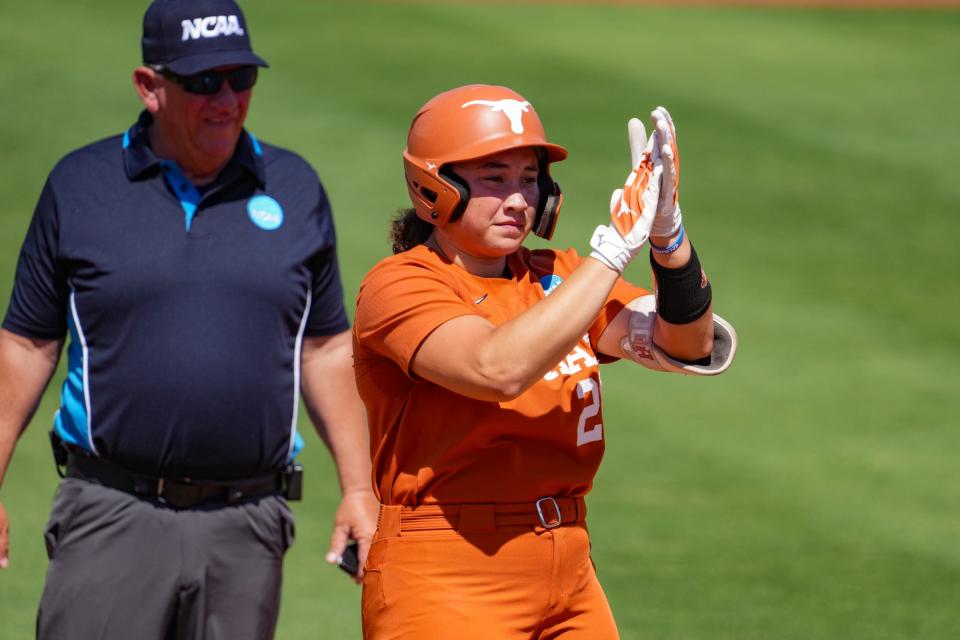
431	445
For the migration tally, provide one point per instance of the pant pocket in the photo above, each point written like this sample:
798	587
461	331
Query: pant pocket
66	503
372	600
288	524
270	522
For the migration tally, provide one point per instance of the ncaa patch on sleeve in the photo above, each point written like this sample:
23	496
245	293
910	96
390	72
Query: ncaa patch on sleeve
550	282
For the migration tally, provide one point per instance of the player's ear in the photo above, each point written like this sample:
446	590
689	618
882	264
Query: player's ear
146	83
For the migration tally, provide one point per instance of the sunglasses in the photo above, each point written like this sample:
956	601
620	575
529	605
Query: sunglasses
208	83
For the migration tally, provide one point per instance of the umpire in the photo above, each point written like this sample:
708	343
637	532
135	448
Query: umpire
194	268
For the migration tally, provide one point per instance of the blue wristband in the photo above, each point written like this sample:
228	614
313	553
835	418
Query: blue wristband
673	247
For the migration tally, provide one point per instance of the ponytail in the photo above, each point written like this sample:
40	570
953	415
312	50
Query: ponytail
407	230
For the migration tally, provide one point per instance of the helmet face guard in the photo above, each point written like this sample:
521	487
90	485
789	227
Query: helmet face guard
467	123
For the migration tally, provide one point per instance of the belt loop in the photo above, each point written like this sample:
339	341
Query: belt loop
144	488
477	518
388	524
234	495
581	509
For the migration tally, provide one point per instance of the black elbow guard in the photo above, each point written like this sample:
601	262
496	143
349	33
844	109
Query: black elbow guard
684	294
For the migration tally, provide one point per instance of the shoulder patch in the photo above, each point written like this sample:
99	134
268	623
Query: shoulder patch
550	282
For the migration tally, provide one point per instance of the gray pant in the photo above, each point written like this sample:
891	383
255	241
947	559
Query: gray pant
124	568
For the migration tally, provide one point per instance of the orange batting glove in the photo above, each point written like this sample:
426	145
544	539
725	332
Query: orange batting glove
634	207
667	221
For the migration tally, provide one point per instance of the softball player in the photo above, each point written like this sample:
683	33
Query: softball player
478	362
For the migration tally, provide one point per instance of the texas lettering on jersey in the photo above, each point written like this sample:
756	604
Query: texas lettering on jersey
587	390
572	363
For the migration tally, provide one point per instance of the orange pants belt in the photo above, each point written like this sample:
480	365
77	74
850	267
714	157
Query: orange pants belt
547	513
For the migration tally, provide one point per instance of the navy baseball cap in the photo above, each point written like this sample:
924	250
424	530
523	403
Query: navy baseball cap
189	36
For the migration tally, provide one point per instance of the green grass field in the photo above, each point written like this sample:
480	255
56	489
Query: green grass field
813	492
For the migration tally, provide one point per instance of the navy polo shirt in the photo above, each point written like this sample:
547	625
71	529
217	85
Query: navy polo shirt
186	310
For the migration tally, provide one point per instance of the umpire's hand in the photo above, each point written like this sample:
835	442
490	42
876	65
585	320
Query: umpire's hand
356	519
4	538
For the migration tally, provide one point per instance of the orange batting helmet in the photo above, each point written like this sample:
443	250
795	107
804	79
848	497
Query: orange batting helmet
468	123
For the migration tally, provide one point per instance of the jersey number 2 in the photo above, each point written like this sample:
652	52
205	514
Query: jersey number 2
589	388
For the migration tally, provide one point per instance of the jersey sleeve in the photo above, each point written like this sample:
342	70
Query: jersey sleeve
327	313
622	294
38	303
399	305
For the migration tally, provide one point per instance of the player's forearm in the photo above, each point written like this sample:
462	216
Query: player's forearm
674	259
522	350
687	341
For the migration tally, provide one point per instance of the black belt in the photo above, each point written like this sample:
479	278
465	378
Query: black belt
181	493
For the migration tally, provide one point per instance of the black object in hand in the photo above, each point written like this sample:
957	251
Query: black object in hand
349	561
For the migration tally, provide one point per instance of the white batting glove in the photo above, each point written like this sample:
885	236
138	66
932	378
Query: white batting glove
632	208
667	221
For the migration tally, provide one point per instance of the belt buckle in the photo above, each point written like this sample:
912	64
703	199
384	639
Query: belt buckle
556	507
179	494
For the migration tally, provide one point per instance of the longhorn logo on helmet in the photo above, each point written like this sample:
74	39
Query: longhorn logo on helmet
513	109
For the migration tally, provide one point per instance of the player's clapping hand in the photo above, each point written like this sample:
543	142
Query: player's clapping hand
634	207
667	221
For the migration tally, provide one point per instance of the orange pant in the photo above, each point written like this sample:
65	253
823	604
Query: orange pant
480	575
